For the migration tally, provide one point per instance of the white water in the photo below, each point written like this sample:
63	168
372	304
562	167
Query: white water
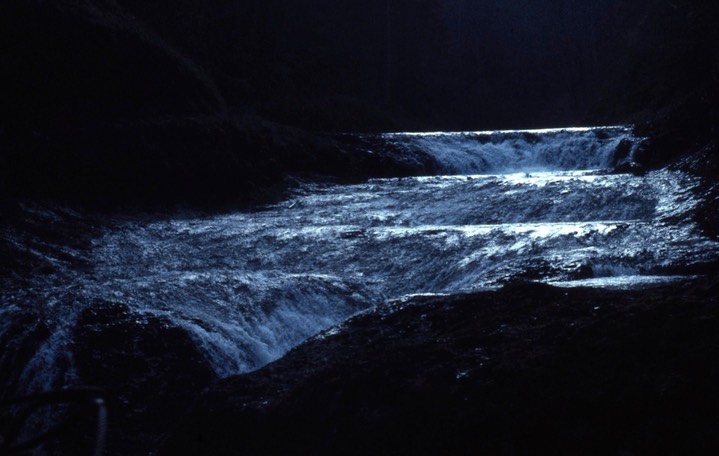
495	152
250	286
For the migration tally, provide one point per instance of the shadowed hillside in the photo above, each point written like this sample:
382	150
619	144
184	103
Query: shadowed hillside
123	102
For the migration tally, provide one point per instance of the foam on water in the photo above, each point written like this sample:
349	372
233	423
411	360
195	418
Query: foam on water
625	282
519	150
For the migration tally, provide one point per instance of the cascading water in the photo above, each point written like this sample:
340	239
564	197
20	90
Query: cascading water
249	286
518	151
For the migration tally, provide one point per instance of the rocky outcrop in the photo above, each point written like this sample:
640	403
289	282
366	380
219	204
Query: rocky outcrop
528	369
146	367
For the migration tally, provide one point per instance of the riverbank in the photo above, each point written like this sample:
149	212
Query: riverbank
528	369
206	163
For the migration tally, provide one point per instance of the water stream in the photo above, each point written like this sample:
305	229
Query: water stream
249	286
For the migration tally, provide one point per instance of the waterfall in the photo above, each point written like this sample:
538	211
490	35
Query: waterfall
501	152
229	293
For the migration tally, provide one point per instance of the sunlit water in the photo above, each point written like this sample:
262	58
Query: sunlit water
250	286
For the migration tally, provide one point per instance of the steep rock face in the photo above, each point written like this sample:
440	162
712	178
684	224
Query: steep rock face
527	369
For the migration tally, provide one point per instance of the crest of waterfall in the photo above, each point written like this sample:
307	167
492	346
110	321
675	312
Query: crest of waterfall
494	152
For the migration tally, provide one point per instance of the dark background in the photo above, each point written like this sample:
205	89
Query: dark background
93	88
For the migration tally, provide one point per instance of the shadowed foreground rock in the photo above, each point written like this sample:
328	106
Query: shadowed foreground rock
528	369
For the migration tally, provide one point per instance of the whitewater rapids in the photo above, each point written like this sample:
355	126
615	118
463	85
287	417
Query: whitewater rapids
249	286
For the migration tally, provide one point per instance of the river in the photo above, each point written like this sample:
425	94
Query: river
247	287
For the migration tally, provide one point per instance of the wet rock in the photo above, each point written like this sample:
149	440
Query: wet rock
622	152
584	271
147	367
629	168
681	127
20	343
531	138
523	370
36	238
705	165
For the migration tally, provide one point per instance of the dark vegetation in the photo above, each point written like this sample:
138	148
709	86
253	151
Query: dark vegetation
122	102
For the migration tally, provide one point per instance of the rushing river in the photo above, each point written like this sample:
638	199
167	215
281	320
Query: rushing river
249	286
